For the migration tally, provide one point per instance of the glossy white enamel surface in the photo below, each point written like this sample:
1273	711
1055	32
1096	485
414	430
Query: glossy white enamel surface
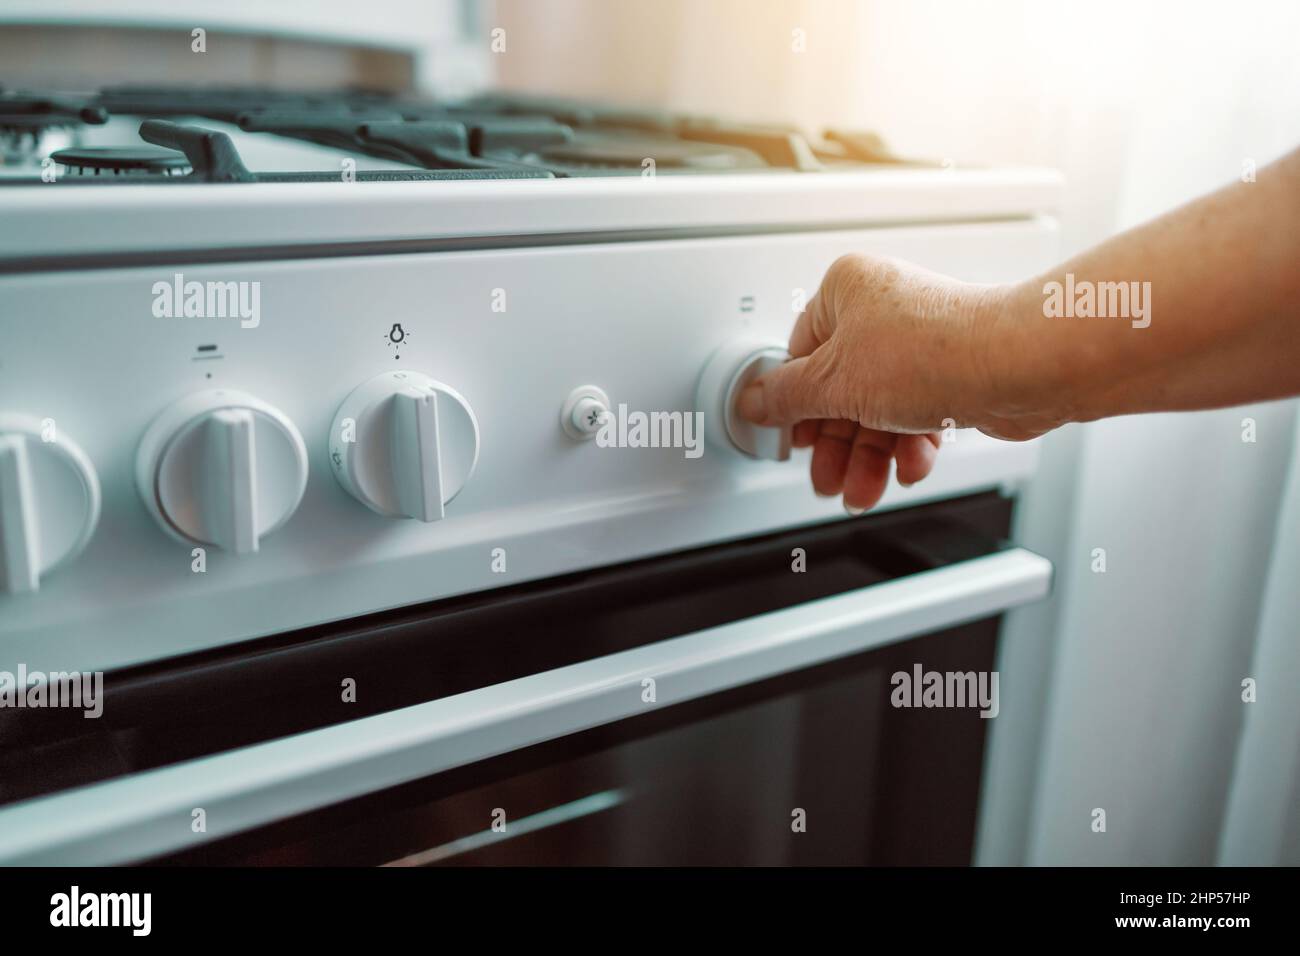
55	218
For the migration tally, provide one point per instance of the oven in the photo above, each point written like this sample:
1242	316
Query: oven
406	518
743	703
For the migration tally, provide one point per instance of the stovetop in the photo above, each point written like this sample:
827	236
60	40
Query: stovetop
128	135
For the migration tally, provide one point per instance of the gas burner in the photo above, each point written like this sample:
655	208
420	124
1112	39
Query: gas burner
120	160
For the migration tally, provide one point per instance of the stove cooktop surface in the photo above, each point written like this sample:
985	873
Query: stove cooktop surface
239	135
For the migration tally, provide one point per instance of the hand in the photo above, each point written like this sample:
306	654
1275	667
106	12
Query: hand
883	358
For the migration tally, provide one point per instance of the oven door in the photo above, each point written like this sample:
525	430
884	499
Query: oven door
757	702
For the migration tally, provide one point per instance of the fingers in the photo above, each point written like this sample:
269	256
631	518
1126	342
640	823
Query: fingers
855	462
868	468
794	397
914	456
815	393
830	458
805	433
789	393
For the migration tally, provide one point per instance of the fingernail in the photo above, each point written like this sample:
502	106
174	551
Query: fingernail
854	511
823	494
751	404
906	484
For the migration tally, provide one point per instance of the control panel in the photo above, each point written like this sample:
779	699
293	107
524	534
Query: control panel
299	441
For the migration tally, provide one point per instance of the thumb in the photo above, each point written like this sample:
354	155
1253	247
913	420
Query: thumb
789	393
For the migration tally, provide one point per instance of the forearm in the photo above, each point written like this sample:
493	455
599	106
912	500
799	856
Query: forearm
1212	315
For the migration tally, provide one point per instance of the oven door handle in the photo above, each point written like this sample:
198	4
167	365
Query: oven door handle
151	813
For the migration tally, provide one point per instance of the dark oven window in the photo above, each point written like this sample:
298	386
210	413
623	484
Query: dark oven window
715	782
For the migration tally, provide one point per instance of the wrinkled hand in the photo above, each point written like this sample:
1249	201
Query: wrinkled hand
882	359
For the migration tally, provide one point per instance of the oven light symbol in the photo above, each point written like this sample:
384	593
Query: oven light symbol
396	336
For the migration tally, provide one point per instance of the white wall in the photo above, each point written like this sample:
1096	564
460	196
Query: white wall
1145	710
297	44
1263	817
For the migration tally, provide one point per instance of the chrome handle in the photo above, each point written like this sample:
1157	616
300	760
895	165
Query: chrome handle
148	814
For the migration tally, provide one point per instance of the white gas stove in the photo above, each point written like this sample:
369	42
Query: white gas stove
297	361
197	351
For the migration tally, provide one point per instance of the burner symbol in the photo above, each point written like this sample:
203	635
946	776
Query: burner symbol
595	417
336	458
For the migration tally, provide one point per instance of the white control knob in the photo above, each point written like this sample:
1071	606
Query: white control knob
728	371
221	468
49	501
404	444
